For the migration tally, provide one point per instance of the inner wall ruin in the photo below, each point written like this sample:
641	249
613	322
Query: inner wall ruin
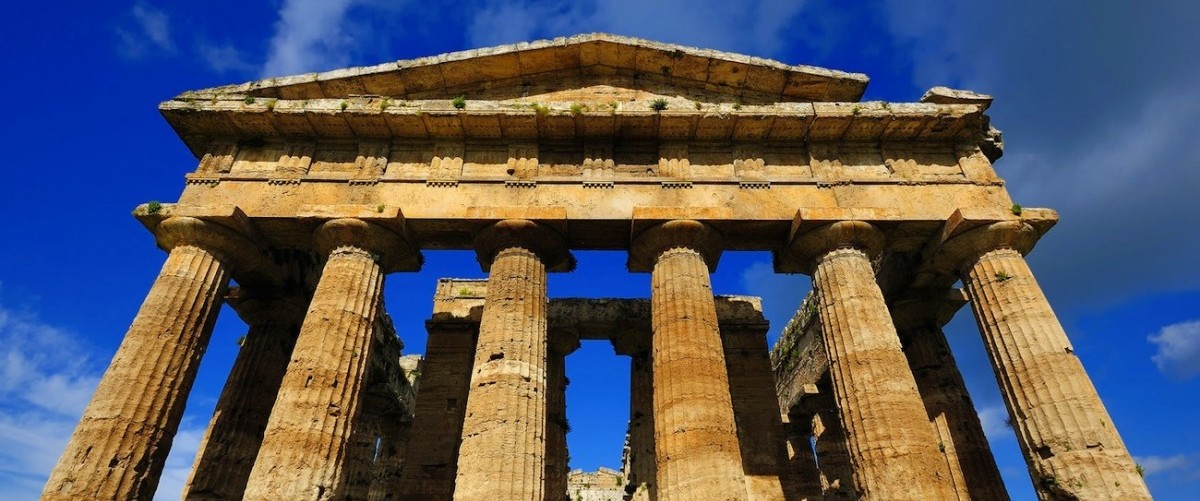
310	190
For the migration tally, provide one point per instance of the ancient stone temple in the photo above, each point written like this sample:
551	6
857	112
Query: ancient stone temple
310	190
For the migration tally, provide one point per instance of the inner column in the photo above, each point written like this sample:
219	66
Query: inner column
696	443
503	450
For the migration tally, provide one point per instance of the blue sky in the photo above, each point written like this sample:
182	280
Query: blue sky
1097	100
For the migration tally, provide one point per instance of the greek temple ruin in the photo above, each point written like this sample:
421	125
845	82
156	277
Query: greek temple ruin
310	190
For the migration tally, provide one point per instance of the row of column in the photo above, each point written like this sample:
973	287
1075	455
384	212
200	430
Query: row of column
119	447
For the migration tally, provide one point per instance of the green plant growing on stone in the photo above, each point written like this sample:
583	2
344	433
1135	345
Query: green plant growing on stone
271	105
539	109
464	291
856	110
659	104
1016	209
344	105
577	109
1002	276
1141	471
697	105
379	208
941	446
459	102
737	105
153	207
248	100
385	103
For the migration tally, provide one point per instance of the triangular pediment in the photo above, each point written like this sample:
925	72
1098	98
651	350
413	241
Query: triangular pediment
583	68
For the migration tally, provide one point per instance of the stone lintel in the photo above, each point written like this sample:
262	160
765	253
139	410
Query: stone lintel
152	214
626	322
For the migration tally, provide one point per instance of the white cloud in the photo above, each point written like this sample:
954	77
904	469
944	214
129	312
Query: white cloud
150	32
1154	465
179	462
223	57
1178	354
48	379
309	36
994	419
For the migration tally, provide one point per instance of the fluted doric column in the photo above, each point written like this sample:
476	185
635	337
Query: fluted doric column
1069	441
641	428
973	471
308	437
503	450
431	462
556	412
892	448
801	458
695	436
121	443
761	436
235	432
389	463
833	456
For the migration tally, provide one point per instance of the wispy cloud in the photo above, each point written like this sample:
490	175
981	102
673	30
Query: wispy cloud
994	419
309	36
223	57
145	31
1178	354
1156	465
46	379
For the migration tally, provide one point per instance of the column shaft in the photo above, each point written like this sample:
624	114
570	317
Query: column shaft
641	429
694	432
556	428
360	463
432	458
307	441
761	437
121	443
234	434
503	450
393	443
892	448
1065	432
973	471
833	456
802	461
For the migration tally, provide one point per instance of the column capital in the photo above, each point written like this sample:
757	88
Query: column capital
808	247
392	251
680	233
234	249
926	308
549	246
957	252
256	309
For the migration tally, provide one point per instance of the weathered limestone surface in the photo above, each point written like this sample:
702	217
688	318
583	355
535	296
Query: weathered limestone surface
503	449
695	435
556	423
802	461
231	442
120	445
833	455
642	468
761	437
973	471
601	485
892	447
307	441
1066	434
432	459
